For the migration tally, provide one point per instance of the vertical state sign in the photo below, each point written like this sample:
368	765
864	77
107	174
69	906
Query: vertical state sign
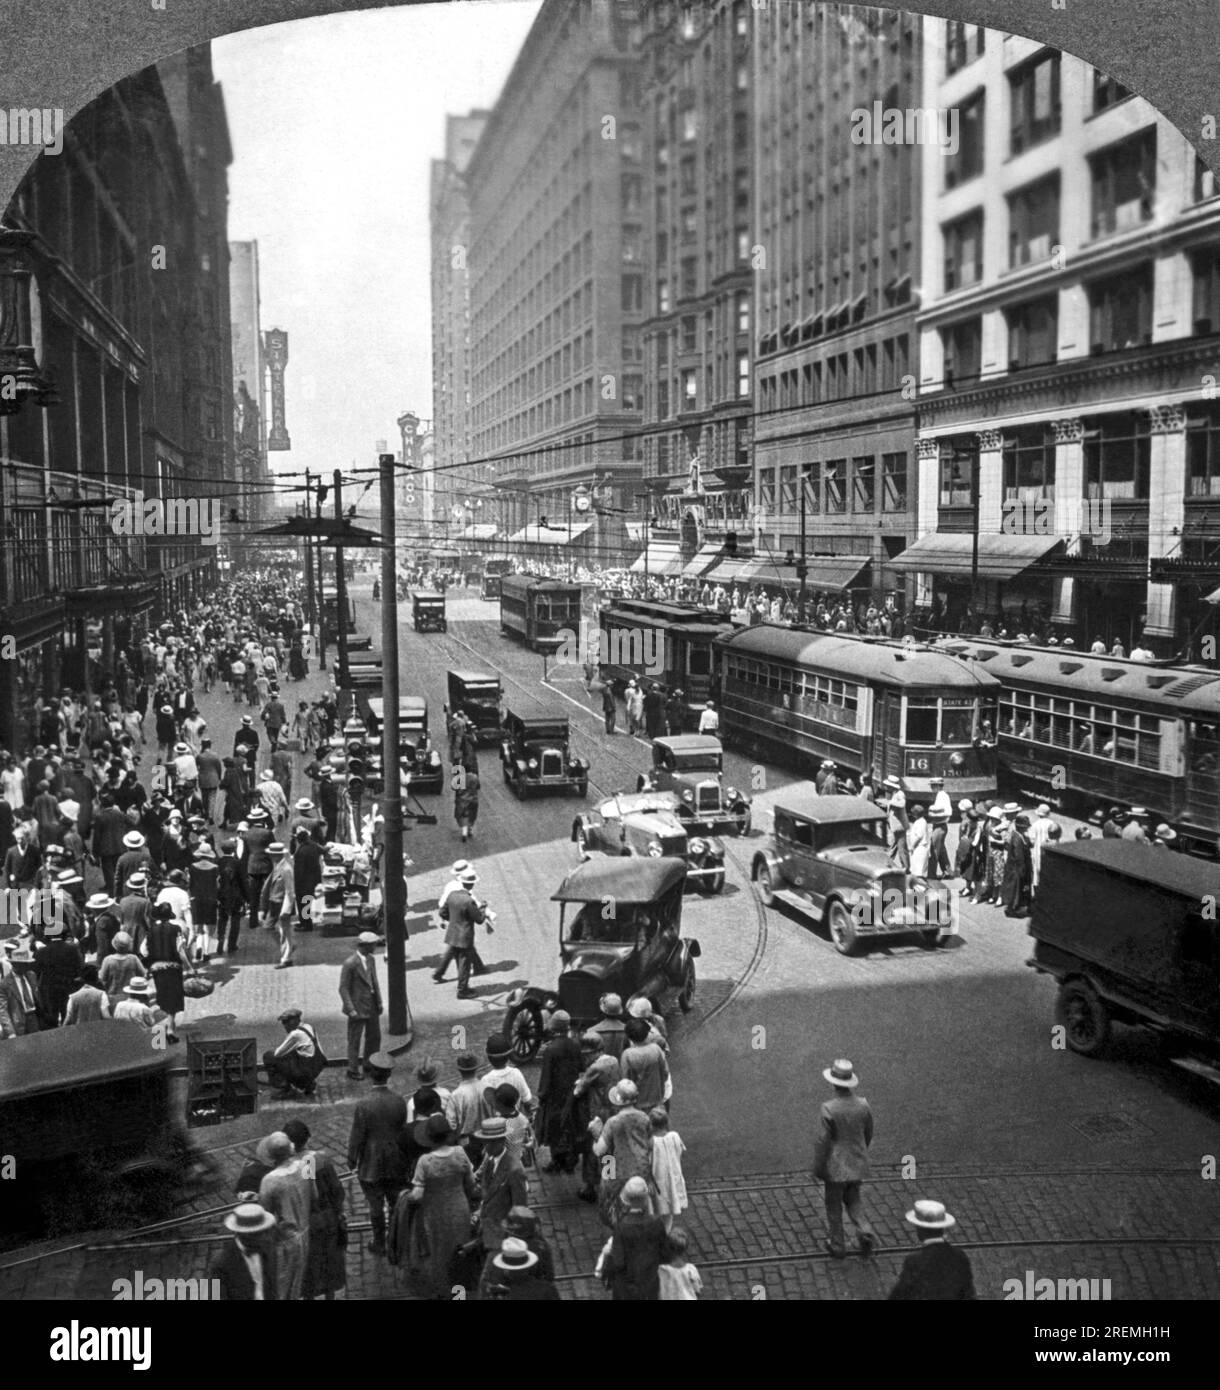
275	350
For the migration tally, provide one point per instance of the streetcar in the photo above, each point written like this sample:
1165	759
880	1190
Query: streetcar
1078	731
800	697
495	567
535	610
670	643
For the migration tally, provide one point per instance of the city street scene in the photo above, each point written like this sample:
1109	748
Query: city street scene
609	683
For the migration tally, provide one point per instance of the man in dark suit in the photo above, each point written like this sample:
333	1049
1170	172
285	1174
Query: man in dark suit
246	1269
637	1250
107	839
361	996
502	1182
18	992
374	1150
936	1270
306	873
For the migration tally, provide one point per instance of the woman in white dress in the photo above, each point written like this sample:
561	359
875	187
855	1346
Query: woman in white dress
919	841
667	1151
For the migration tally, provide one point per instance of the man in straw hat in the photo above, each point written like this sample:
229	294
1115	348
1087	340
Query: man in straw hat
463	913
246	1269
360	993
936	1270
840	1158
502	1181
897	823
512	1275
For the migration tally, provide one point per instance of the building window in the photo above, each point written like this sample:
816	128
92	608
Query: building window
743	313
964	251
1029	465
1205	181
742	79
743	244
1117	454
1034	96
687	183
741	18
662	349
1033	332
662	296
955	466
633	392
1107	91
1124	184
787	490
963	44
1033	222
632	195
836	485
690	224
963	349
632	248
690	125
863	486
662	400
632	299
1120	311
690	388
967	163
662	154
1203	455
893	482
741	132
688	22
690	276
1206	267
743	374
766	489
690	327
663	455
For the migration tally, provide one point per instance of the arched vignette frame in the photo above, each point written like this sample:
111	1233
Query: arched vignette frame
64	53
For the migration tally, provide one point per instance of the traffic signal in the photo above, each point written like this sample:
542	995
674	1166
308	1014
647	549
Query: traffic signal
730	543
790	557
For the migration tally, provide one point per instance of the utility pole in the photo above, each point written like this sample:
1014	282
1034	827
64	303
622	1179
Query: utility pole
341	586
393	884
311	603
317	548
802	568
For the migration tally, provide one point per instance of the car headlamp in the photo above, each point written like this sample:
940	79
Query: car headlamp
654	849
730	793
697	846
532	764
688	795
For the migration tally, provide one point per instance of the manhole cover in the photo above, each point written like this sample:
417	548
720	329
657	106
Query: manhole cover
1111	1124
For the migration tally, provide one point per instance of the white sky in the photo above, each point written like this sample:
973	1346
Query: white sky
334	121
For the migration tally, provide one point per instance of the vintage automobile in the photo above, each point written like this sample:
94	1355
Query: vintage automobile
649	824
691	765
93	1127
415	751
1128	932
428	611
536	757
477	695
620	932
827	859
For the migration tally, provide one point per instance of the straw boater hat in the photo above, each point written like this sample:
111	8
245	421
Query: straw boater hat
99	902
182	748
1138	813
304	804
995	813
137	880
930	1216
140	988
514	1255
1165	832
205	851
134	840
249	1219
493	1127
893	783
460	866
841	1073
277	850
1012	808
257	814
69	809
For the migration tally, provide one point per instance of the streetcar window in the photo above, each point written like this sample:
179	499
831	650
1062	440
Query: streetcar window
923	717
699	662
957	724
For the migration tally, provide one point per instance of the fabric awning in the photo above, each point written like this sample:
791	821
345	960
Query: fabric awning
1001	557
549	535
728	571
635	531
481	531
703	561
664	559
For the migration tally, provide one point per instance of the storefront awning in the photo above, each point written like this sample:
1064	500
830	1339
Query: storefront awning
1001	557
728	571
482	531
549	535
664	559
703	561
824	572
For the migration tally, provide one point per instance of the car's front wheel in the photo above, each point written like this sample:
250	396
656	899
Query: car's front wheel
524	1029
842	929
1084	1017
766	889
582	842
686	995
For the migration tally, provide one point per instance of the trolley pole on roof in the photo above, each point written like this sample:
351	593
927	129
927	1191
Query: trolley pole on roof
393	883
341	587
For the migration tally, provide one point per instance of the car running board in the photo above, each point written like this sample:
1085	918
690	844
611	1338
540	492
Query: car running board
1199	1068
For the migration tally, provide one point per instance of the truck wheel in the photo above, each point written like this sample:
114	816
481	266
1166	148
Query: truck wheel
842	929
686	995
1084	1017
766	890
523	1027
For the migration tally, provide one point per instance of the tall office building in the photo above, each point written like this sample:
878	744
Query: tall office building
1070	307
